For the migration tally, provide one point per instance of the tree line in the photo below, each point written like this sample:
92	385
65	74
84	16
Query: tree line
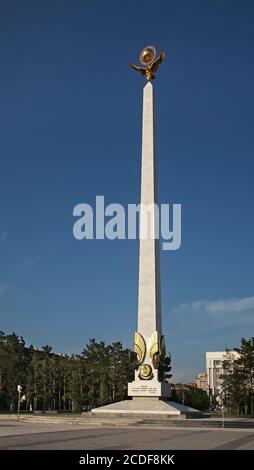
237	387
97	376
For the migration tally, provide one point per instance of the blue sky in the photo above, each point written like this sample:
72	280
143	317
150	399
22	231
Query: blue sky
70	121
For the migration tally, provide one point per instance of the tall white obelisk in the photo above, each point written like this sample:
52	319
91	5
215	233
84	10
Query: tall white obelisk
149	342
149	345
149	302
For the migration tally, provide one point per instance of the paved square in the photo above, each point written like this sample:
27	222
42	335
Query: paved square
25	435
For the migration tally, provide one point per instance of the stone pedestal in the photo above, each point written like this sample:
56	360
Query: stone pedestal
148	407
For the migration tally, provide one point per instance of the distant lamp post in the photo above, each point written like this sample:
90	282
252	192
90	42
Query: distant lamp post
211	397
19	389
183	396
223	417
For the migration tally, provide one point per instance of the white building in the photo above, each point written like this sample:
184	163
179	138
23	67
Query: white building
201	381
214	369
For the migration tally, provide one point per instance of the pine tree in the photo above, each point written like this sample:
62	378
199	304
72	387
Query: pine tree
246	365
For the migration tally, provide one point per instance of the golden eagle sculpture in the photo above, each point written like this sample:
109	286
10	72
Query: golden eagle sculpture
148	58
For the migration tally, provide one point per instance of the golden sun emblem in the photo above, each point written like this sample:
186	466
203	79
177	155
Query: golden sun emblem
147	55
147	58
145	371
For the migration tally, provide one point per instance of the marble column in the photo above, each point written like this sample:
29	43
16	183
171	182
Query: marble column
149	294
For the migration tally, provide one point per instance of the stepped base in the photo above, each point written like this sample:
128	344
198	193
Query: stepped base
146	408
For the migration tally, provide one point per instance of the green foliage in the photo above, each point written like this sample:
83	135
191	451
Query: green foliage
106	373
193	397
55	382
238	379
99	375
13	361
165	368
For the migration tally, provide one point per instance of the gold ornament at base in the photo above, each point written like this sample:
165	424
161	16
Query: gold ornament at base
139	347
145	372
